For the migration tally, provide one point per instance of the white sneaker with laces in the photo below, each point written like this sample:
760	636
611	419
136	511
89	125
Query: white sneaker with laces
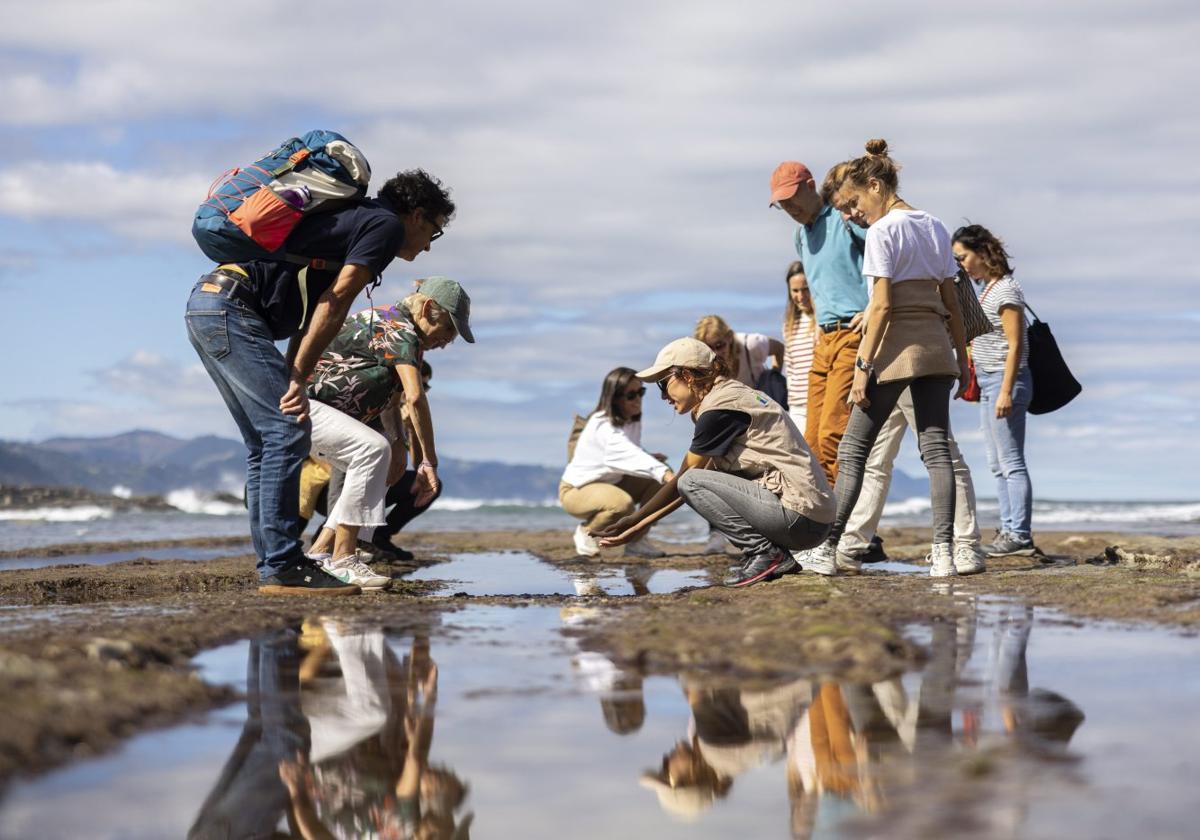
941	561
585	543
822	560
644	548
350	569
968	559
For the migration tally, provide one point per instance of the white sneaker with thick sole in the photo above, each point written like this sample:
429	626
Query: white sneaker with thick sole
968	559
847	564
822	560
585	543
350	569
644	548
941	561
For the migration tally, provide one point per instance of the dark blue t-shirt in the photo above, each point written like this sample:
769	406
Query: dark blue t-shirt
367	234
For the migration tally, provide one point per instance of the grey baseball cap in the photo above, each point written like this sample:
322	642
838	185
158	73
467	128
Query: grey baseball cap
449	295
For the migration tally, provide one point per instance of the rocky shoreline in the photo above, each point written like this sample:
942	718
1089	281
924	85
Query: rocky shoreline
92	654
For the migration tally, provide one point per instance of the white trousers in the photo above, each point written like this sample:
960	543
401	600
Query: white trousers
799	416
877	478
361	455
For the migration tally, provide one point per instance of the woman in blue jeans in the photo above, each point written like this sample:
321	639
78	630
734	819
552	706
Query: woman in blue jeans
1002	365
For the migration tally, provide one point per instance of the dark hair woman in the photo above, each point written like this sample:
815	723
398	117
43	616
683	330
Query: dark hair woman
1005	384
609	474
906	345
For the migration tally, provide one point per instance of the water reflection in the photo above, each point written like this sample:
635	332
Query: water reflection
336	743
873	753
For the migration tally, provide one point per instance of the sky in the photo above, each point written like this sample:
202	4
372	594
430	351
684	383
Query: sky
610	165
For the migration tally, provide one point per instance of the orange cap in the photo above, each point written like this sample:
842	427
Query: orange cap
786	178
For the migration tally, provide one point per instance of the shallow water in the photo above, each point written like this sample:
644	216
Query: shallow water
1020	724
518	573
103	559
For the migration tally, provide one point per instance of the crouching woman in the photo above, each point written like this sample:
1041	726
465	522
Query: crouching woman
610	474
748	471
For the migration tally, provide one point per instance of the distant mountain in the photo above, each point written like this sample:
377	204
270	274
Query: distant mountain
150	463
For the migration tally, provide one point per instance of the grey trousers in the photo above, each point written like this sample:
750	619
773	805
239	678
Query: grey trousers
751	516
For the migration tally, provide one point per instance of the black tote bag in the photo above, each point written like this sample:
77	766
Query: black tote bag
1053	383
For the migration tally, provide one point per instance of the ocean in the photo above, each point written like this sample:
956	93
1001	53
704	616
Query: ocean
198	517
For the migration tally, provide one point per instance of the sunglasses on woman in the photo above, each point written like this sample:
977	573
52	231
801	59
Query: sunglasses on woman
636	393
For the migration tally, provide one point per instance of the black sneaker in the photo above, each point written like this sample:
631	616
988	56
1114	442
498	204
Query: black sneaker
874	552
305	578
758	568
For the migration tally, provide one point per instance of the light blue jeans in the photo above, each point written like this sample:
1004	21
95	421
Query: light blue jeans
236	348
1005	439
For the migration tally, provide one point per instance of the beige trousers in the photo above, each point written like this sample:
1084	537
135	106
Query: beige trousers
600	504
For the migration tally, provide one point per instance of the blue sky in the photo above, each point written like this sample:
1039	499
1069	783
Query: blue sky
610	164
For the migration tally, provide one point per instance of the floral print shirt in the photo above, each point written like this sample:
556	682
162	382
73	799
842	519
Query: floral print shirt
356	373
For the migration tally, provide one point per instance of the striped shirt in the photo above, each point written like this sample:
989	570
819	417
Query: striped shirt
797	360
990	350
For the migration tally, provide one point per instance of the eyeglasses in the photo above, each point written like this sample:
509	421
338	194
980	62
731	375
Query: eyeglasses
635	394
437	230
662	383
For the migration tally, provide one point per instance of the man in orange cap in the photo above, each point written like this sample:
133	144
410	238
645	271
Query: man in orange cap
831	249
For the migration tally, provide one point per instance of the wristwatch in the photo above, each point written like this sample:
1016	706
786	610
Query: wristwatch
865	367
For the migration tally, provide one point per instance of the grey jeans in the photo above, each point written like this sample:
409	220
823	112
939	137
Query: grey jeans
751	516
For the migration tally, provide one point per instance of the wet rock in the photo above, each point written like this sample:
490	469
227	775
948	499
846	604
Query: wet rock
1170	559
116	653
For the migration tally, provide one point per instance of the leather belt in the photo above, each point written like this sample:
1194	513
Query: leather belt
834	326
234	286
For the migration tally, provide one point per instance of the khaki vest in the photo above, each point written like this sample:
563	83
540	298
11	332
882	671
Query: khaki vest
772	452
916	341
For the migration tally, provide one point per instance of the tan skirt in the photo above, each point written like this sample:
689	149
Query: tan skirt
916	341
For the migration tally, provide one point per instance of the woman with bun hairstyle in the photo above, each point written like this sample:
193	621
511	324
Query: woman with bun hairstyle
913	340
1005	384
609	473
748	471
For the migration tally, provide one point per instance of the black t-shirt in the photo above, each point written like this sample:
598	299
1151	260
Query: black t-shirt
368	234
716	431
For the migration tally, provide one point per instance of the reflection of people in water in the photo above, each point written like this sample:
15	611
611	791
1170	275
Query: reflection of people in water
619	689
357	764
248	798
732	730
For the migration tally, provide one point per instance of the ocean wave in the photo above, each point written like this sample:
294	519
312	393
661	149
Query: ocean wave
1132	512
452	503
81	513
907	507
191	501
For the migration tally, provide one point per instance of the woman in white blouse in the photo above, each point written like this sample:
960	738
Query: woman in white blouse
609	475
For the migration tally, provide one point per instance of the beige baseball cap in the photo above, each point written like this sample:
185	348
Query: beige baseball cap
682	352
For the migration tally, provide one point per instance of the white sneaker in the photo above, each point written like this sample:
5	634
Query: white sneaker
968	559
644	548
585	543
351	570
717	544
847	564
941	562
319	557
822	560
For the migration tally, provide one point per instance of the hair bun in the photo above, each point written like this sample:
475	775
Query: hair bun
877	147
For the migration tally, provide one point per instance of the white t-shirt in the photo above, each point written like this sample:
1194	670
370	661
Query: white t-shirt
608	453
752	350
908	245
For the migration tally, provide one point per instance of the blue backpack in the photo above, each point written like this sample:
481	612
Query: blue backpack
250	212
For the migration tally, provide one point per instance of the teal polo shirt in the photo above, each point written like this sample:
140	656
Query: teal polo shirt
832	252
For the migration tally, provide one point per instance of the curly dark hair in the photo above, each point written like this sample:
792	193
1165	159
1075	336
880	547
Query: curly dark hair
416	189
987	245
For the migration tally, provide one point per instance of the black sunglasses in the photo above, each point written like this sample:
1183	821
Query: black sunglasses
634	394
662	383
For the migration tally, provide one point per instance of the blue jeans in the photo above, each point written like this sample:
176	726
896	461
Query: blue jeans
237	350
1005	439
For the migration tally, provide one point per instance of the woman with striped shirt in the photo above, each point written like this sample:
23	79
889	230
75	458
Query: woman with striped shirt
1002	366
799	335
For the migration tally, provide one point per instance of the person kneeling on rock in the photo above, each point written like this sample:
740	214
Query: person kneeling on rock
747	471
